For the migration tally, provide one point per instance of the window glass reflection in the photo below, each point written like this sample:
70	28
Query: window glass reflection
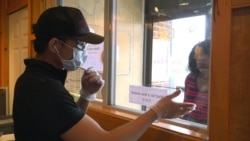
197	82
181	51
94	14
154	39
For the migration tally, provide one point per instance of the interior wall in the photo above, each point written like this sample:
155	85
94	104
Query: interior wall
240	75
3	45
229	112
229	82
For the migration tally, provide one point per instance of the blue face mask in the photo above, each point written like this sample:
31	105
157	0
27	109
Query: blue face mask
79	58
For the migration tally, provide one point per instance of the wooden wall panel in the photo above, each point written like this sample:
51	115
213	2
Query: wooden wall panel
1	9
36	7
220	72
240	3
14	5
230	80
4	45
240	76
1	19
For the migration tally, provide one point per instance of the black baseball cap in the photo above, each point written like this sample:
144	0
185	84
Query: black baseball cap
64	22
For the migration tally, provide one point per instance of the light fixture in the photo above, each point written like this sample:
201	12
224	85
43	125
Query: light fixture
156	9
196	11
184	3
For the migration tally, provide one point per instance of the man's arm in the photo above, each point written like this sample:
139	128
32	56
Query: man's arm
83	104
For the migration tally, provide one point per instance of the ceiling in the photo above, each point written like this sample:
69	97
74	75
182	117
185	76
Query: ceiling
173	9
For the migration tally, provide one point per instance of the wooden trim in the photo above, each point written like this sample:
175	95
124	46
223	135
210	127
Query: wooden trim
1	11
220	72
14	5
1	40
36	7
50	3
110	118
228	109
4	59
239	76
240	3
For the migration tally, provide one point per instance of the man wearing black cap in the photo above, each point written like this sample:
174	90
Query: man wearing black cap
44	110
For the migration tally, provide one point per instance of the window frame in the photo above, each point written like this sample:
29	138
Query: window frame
110	27
109	71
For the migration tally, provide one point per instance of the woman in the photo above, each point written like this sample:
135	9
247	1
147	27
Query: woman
197	82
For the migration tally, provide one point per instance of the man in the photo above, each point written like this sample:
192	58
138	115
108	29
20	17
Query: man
44	110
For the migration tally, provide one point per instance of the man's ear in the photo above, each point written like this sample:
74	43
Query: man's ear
52	45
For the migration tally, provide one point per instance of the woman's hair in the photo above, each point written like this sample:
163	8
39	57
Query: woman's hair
205	48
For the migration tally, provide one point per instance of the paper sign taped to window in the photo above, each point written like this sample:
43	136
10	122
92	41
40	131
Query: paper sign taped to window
95	52
146	95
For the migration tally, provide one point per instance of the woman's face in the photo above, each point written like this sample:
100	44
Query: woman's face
202	60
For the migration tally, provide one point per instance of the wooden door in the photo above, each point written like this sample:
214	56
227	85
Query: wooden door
18	48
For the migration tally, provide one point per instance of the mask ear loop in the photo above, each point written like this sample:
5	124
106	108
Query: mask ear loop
57	52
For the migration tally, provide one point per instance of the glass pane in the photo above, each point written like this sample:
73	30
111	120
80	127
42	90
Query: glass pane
154	41
94	14
177	59
129	62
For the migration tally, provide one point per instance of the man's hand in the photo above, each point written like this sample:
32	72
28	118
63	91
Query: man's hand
167	108
91	82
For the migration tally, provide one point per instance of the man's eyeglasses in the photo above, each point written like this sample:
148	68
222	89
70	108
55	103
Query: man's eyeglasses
79	44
